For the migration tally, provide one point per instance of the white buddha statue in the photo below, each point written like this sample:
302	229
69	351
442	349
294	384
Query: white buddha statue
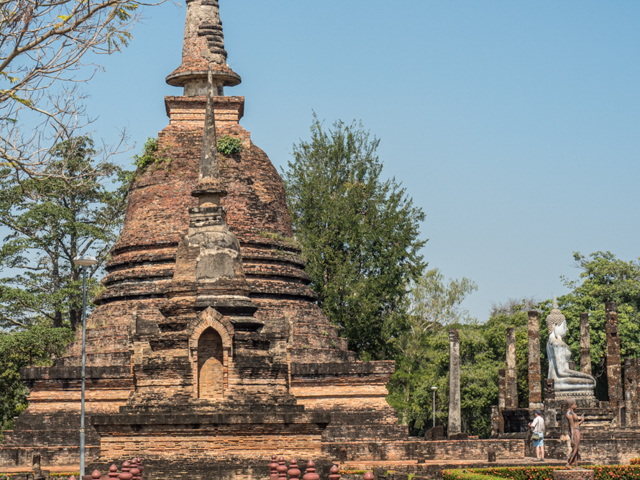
567	382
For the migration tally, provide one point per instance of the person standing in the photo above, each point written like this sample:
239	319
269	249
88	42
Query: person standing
574	429
538	435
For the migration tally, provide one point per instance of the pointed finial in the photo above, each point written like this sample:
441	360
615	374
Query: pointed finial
311	472
555	317
282	468
209	166
203	48
273	468
209	189
294	471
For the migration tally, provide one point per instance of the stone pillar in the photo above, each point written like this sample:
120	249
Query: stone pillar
585	344
535	377
511	393
631	391
455	423
549	411
495	421
502	393
614	368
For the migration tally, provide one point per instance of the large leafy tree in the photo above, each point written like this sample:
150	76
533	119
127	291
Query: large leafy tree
482	354
422	345
359	233
49	221
479	365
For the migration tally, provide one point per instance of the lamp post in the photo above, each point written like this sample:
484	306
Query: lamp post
433	389
84	262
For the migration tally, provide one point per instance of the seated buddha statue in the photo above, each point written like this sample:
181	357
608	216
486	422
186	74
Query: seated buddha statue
566	381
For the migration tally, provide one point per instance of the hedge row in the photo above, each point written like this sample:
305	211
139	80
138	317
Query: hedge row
600	472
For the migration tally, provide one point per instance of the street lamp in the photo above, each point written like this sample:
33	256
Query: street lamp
84	262
433	389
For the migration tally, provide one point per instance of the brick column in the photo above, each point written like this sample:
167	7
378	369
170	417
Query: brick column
495	421
511	391
549	411
614	369
535	377
502	393
585	344
455	422
631	391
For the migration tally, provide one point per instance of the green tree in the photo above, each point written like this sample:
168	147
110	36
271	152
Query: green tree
358	232
482	354
479	365
603	278
513	313
423	344
50	221
36	346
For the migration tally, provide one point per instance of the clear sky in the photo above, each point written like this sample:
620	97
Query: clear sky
515	126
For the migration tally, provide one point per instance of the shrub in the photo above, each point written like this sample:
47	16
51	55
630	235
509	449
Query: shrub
600	472
229	145
467	474
149	155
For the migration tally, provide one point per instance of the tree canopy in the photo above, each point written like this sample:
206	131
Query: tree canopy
50	221
359	233
422	345
37	345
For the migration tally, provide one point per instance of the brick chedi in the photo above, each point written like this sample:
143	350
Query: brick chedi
206	351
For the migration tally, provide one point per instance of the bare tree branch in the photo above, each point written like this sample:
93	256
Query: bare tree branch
43	46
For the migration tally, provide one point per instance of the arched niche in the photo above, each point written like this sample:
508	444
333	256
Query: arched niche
210	352
210	365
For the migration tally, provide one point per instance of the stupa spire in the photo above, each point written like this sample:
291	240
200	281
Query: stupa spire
202	49
208	189
218	268
209	162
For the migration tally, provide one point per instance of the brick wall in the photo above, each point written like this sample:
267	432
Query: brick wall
443	450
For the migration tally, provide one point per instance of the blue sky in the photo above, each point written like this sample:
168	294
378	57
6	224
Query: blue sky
515	126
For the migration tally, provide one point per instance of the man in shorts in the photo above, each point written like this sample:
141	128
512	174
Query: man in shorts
538	436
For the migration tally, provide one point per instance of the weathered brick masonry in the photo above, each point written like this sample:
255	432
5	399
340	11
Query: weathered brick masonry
206	352
176	378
